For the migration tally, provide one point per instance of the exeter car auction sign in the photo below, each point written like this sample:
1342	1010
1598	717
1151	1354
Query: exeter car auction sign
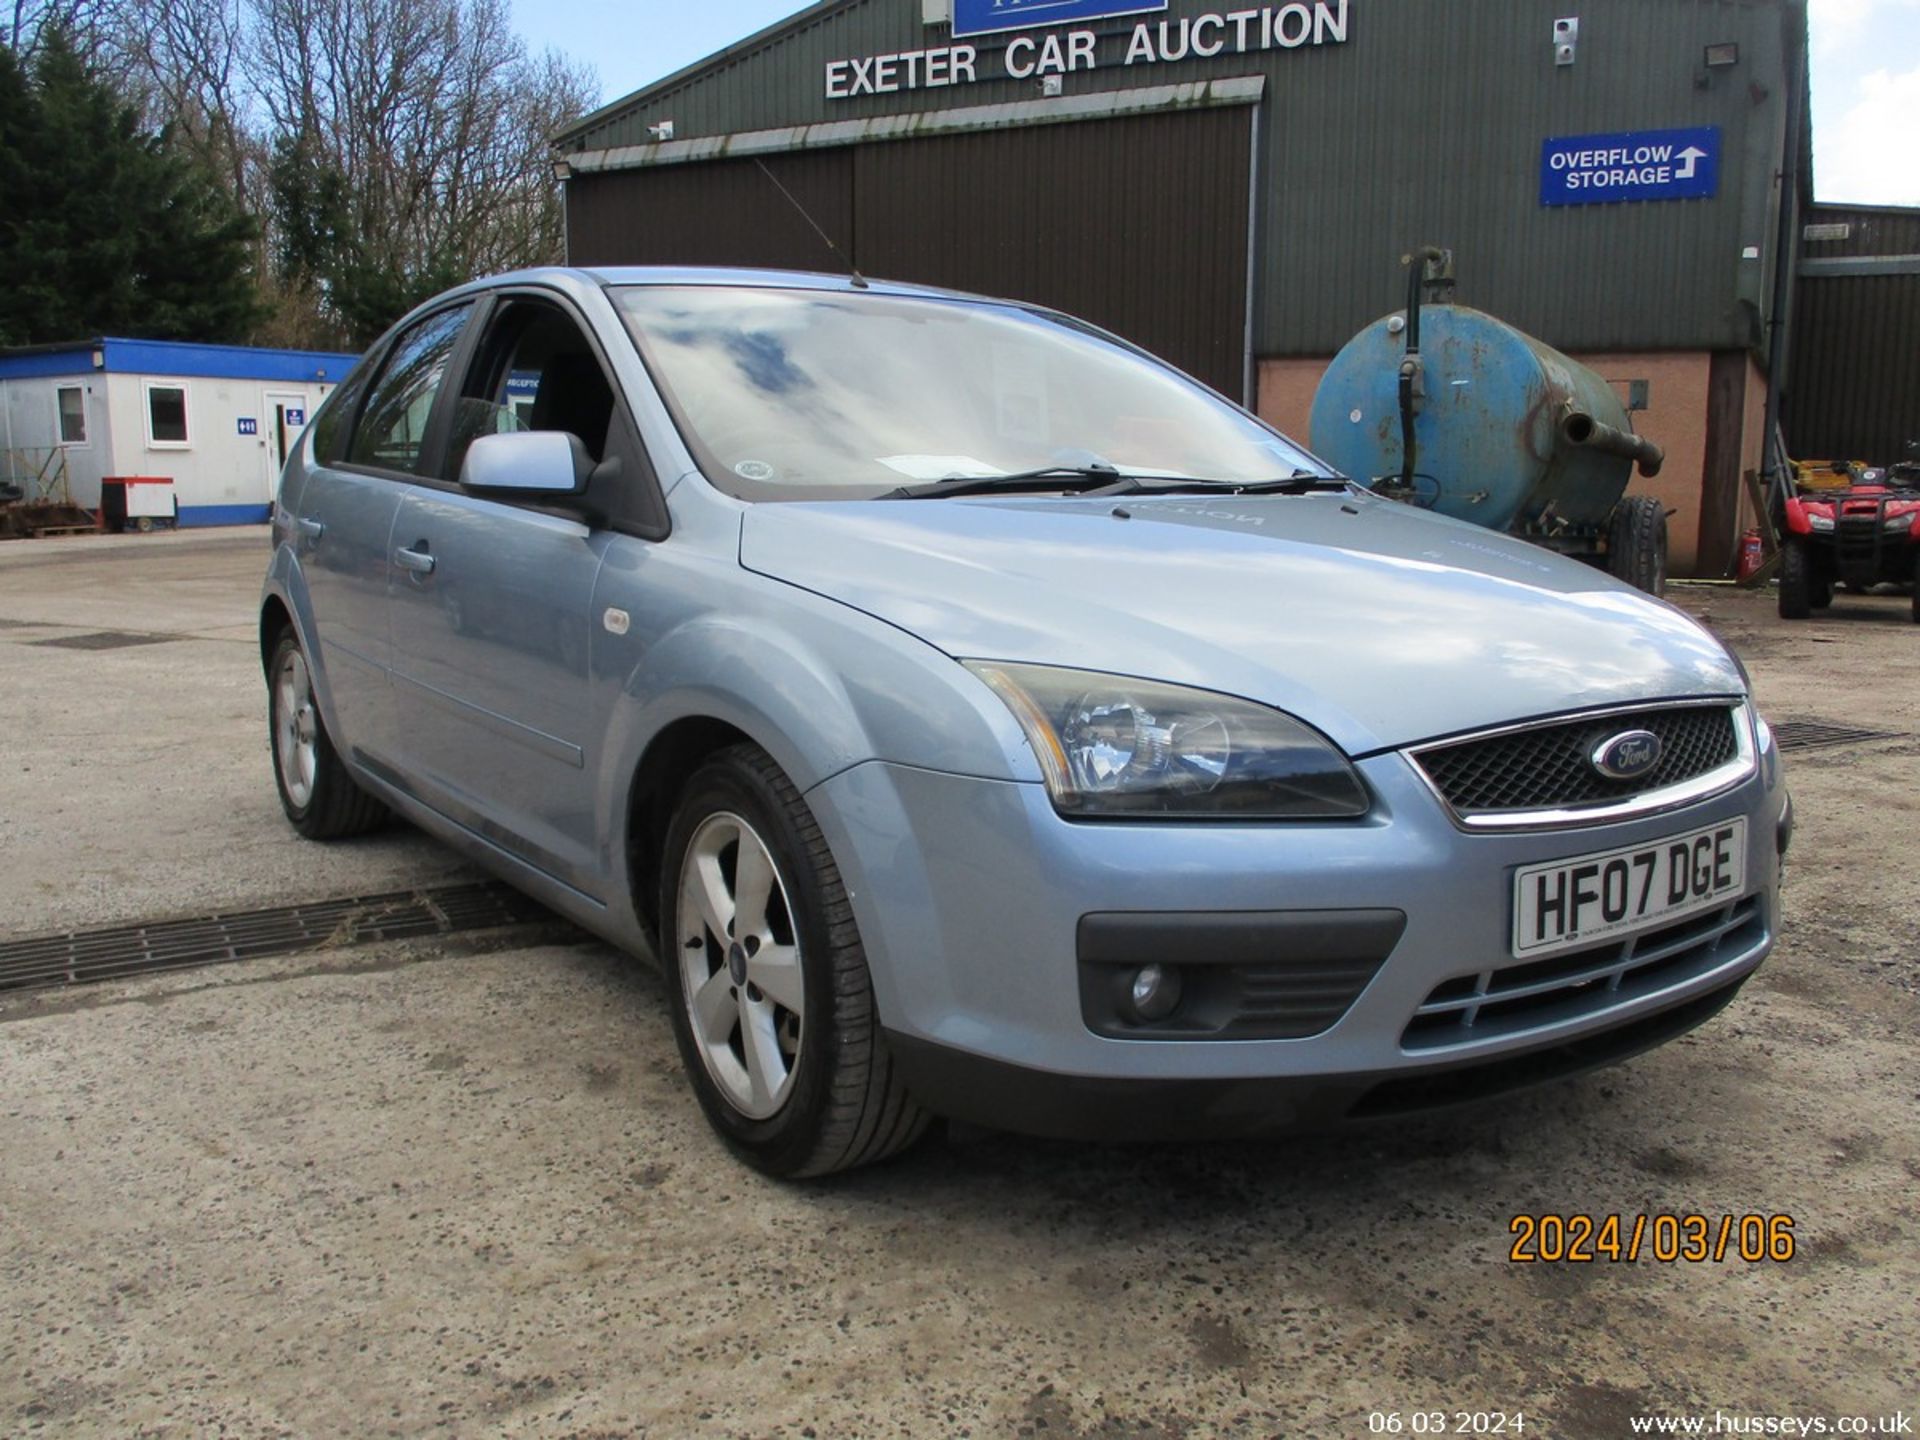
1291	26
1633	165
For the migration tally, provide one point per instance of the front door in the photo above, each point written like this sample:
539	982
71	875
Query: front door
491	612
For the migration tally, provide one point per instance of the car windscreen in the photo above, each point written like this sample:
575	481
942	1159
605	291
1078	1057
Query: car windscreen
806	394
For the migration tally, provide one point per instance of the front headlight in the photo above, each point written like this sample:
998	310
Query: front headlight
1113	745
1819	522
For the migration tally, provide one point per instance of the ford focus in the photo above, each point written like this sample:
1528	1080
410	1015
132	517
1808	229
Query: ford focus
973	717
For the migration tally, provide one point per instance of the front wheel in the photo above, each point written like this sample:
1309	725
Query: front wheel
1796	580
772	1004
319	796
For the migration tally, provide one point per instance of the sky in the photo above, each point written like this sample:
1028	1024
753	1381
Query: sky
1866	72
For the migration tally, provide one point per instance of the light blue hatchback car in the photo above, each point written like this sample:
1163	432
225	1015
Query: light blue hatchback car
977	718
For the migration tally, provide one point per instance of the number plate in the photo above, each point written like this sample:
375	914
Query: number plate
1617	892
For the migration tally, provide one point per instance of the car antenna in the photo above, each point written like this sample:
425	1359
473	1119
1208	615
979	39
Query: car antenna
858	279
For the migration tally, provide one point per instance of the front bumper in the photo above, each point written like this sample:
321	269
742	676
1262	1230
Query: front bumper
970	895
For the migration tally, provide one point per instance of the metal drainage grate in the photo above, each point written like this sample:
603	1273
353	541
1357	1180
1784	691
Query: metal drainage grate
95	955
1818	734
103	640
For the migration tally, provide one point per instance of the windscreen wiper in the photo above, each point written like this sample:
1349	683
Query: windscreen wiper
1298	483
1074	478
1096	480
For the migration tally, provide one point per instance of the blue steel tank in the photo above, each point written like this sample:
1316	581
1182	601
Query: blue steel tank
1507	432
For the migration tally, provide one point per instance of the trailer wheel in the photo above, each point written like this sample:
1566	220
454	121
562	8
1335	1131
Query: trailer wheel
1796	580
1637	544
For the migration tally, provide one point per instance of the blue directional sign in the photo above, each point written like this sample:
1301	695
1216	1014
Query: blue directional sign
1633	165
983	17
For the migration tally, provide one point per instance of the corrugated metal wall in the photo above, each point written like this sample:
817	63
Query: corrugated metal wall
723	213
1853	382
1137	224
1424	127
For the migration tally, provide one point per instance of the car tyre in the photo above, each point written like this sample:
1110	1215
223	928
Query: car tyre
1916	588
776	1024
1796	580
1637	544
320	797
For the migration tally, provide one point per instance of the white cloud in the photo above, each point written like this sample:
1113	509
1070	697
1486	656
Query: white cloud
1837	24
1867	156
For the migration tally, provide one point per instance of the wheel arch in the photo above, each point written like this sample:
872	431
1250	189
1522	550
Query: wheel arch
819	699
669	760
275	616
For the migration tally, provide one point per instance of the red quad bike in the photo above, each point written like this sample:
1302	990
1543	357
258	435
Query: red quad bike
1859	536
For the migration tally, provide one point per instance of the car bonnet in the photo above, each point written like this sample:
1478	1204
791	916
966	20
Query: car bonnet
1379	624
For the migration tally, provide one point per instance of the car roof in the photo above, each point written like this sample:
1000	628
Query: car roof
842	282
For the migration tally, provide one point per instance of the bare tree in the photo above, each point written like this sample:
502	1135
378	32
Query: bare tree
414	133
385	147
186	56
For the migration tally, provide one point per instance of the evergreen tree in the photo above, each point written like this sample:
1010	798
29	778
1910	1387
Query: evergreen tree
106	229
320	251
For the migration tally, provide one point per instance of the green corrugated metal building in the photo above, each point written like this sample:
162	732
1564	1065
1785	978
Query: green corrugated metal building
1234	187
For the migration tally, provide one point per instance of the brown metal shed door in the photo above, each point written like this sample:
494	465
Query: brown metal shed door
1137	224
714	212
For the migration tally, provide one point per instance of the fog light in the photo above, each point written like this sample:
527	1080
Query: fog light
1155	991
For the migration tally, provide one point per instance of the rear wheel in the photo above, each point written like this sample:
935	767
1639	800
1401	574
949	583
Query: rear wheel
772	1003
1796	580
319	796
1916	587
1637	544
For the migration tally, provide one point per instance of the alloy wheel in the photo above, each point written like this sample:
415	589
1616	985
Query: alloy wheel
740	965
296	728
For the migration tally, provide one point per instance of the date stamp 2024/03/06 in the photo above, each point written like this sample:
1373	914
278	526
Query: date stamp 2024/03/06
1668	1238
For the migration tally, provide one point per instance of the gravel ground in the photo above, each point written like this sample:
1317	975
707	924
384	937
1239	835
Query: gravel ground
459	1187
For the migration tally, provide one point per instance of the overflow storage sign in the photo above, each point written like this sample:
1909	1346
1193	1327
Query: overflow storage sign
1634	165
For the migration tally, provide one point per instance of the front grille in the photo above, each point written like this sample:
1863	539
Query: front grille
1459	1084
1571	986
1550	766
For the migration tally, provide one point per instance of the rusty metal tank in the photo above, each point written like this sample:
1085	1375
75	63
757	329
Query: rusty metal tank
1507	432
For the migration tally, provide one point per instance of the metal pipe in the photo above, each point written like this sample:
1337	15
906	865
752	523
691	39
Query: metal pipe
1416	264
1582	429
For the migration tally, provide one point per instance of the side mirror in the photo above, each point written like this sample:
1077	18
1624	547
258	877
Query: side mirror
527	463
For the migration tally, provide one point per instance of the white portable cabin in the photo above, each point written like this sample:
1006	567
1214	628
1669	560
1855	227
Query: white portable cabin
216	420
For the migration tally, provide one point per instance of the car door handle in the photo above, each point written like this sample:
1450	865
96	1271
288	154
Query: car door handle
418	561
311	529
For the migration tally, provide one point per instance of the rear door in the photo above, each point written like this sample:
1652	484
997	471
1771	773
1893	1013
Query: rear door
491	606
364	453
